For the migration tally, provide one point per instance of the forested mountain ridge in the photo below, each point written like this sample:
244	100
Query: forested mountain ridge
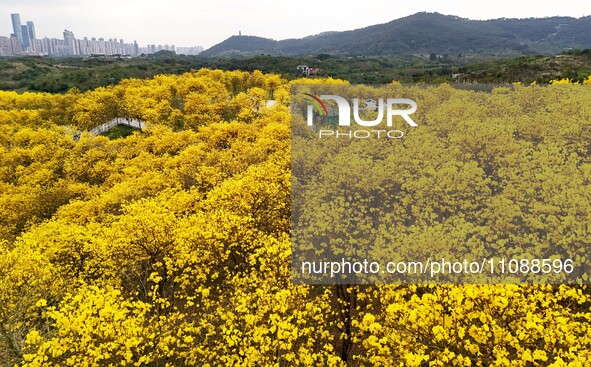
425	33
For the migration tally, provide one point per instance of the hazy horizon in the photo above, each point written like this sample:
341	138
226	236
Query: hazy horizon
156	22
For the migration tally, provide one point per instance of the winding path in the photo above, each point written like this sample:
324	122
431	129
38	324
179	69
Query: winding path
138	124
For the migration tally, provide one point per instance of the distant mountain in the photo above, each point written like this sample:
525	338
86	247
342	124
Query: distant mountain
239	44
425	33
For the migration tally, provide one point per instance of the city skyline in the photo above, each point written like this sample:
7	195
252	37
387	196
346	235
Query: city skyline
25	33
23	41
184	22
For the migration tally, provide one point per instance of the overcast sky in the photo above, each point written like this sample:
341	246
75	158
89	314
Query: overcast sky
205	23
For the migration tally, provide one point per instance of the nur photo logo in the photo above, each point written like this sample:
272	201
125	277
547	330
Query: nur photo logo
339	113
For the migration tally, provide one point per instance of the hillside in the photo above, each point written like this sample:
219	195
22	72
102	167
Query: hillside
425	33
238	44
60	75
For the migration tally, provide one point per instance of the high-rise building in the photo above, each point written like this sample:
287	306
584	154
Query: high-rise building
70	42
25	33
31	27
16	26
26	36
9	46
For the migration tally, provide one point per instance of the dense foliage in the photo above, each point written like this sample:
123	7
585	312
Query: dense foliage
501	173
60	75
170	247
